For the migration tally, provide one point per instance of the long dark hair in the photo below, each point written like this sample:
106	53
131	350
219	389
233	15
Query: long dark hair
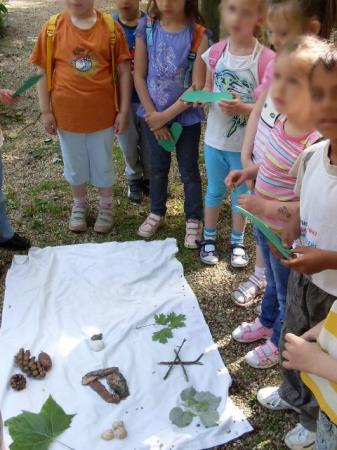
192	11
325	11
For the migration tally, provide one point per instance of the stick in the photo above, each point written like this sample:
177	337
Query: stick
181	365
171	367
64	445
185	363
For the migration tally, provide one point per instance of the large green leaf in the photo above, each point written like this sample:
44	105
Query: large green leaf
207	398
31	431
181	418
209	418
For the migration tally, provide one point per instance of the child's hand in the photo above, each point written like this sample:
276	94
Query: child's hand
309	261
290	233
121	123
163	133
232	107
301	354
252	204
49	123
235	178
156	120
6	97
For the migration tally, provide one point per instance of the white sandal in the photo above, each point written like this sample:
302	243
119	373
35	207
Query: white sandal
247	291
150	226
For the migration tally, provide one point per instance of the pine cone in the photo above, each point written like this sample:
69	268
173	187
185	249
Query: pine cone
18	382
45	361
29	365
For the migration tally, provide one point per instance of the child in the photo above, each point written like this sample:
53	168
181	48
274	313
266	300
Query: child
236	65
79	102
292	134
133	143
8	238
166	45
286	19
311	298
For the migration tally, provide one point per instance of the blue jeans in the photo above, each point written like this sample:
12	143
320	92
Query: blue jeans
274	300
187	156
6	230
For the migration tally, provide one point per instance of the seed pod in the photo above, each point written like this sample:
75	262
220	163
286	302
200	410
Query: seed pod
107	435
45	361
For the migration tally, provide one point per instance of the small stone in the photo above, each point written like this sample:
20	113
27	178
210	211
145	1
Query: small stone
96	346
118	424
107	435
120	433
97	337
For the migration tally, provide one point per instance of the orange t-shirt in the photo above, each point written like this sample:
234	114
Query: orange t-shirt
82	95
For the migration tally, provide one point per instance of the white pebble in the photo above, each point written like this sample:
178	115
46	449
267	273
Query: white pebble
96	346
118	424
120	433
107	435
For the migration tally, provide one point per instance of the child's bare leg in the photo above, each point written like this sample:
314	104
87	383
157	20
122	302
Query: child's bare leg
208	254
79	194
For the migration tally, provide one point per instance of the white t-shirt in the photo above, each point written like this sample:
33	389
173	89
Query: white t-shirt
237	74
317	187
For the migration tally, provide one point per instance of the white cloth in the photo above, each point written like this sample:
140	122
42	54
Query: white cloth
237	74
317	188
56	298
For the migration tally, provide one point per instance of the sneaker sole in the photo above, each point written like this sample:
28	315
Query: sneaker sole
300	447
243	341
239	266
242	305
146	235
102	230
191	246
78	229
268	406
268	366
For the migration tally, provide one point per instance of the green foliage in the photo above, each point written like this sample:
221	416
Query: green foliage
31	431
203	404
170	322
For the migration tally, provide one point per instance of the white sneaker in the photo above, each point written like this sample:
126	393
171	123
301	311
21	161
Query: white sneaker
299	438
269	397
239	256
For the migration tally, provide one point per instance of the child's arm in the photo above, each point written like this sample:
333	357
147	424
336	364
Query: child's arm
48	118
237	177
236	107
140	75
251	129
312	260
156	120
125	89
209	81
309	357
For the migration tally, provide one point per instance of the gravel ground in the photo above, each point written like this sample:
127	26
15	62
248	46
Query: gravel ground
38	202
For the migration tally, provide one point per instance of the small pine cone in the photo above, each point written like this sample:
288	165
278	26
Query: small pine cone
18	382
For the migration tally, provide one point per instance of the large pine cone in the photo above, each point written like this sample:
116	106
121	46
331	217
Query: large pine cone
18	382
29	365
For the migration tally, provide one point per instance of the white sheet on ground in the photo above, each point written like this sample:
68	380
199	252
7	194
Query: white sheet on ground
56	298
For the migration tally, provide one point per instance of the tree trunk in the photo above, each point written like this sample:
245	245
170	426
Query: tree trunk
210	10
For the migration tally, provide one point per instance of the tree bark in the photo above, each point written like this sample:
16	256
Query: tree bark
210	11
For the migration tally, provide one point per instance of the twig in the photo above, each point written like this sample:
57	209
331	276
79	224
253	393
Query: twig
64	445
185	363
181	365
149	325
171	367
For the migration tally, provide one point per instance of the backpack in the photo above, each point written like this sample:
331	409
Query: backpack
52	23
198	33
217	50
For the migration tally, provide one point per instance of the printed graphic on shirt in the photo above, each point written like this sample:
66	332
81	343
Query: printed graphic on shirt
84	62
308	235
226	80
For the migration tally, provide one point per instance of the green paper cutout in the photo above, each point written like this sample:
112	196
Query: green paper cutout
170	146
205	96
29	83
267	232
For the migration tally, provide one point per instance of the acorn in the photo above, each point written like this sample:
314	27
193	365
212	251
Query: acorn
45	361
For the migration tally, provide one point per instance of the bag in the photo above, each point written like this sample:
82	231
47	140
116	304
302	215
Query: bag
198	34
52	24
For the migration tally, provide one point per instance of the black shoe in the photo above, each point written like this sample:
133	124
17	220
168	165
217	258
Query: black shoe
135	191
17	243
146	187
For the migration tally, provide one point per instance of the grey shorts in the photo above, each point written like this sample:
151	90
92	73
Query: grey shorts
326	437
87	157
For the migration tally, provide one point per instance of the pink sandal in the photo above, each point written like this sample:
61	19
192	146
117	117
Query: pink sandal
251	332
264	356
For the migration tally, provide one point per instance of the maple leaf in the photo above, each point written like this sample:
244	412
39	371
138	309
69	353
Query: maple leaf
176	321
161	319
31	431
163	335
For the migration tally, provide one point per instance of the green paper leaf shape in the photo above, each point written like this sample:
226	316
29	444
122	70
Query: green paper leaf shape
31	431
170	145
267	232
29	83
205	97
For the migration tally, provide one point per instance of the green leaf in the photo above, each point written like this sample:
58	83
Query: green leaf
176	321
209	418
31	431
188	394
163	335
161	319
181	418
208	399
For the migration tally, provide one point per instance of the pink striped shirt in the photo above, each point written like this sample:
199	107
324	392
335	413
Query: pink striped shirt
282	151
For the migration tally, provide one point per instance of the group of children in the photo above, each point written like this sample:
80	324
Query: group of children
273	147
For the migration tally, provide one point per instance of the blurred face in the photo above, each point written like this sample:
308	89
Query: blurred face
324	101
129	8
171	8
79	8
282	29
290	86
241	16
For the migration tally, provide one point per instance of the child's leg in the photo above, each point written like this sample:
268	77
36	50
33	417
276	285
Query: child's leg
217	170
6	230
326	438
145	153
188	162
129	143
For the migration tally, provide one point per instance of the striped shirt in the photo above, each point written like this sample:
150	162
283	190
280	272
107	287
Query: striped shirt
325	391
282	151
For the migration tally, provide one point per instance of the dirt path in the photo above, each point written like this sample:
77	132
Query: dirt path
38	205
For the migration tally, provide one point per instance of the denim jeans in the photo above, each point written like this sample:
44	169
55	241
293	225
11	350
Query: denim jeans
187	156
274	299
135	147
6	230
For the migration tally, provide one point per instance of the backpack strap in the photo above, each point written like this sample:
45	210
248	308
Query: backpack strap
266	56
215	53
110	22
149	31
197	36
50	41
